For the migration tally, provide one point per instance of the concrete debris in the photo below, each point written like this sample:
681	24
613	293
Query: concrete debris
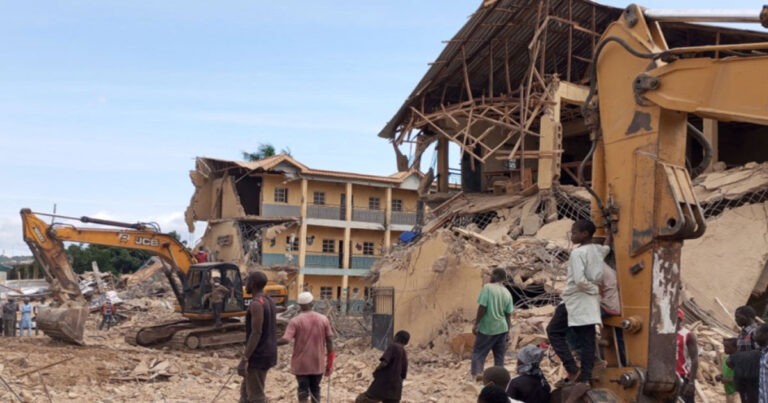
727	261
731	184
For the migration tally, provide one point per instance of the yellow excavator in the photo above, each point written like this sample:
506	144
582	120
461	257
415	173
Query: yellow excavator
189	280
640	97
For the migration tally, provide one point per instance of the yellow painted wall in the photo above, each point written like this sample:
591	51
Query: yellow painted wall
276	181
360	283
320	233
332	191
359	236
409	198
223	253
280	242
315	282
363	193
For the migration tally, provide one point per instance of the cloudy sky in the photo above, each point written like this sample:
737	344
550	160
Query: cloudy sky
105	104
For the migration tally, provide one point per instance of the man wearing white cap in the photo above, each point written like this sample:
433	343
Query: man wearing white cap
313	353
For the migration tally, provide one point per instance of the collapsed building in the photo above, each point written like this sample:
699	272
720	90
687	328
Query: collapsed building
312	229
507	90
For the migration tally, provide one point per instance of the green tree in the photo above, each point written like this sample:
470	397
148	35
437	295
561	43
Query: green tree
109	259
264	150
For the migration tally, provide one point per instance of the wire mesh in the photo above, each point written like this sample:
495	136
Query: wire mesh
481	220
716	208
571	207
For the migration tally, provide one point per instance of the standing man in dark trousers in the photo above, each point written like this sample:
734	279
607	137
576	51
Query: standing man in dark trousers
9	318
492	323
313	353
261	341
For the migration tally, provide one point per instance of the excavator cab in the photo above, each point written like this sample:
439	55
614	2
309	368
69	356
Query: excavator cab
198	283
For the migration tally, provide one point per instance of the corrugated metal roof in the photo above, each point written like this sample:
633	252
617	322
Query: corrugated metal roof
495	41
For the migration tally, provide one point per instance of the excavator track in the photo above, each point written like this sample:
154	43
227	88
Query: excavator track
152	335
209	336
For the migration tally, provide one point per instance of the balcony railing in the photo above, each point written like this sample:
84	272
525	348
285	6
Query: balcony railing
269	259
280	210
360	214
362	262
403	218
325	212
322	260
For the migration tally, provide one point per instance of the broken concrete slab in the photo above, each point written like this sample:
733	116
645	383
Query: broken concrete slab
728	260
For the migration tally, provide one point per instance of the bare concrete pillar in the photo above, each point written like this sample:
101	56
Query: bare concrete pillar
302	237
711	133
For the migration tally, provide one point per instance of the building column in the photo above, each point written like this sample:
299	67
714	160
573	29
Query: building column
388	219
347	250
551	140
711	133
302	237
442	164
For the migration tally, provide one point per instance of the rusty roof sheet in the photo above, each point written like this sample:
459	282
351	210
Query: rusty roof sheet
502	30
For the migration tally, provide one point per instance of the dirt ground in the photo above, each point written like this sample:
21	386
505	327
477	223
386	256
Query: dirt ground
109	370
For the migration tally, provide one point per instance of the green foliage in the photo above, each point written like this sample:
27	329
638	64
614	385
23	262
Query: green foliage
263	151
109	259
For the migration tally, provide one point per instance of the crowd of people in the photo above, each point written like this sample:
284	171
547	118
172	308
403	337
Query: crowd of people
313	353
590	295
15	315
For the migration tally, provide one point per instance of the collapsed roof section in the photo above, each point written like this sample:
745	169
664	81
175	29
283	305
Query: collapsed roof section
226	189
499	74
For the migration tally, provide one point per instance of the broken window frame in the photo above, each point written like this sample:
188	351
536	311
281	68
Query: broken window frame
318	198
281	195
397	205
329	246
369	248
291	247
374	203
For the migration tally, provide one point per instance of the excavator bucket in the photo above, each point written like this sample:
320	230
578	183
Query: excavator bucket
65	323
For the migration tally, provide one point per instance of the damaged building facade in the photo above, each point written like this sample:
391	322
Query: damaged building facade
507	90
312	229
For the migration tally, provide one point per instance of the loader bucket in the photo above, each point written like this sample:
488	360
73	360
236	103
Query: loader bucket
65	323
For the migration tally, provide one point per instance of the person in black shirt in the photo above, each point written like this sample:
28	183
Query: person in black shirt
529	386
492	394
387	385
261	341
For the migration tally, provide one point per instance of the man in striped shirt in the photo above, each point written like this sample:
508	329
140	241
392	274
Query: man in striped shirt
745	318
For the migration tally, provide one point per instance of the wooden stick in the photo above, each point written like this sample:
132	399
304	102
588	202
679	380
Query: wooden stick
224	385
45	388
7	386
45	367
729	314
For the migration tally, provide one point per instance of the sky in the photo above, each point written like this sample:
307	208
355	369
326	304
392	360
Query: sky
104	104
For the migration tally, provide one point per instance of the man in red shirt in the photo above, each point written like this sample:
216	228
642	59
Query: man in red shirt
201	256
687	359
313	353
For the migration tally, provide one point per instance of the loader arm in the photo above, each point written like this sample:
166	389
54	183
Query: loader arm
638	108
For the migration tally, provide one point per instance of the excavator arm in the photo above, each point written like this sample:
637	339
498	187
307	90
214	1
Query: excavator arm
638	107
67	322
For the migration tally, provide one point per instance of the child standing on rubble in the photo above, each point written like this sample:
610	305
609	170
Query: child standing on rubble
580	310
726	374
387	385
